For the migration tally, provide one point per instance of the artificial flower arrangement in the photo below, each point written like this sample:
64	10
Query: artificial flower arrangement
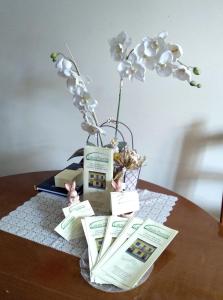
150	54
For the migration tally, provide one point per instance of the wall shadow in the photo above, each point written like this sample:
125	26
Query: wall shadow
195	144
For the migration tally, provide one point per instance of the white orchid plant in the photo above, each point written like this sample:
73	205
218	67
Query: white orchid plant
150	54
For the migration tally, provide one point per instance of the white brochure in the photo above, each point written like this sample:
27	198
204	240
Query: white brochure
98	175
114	228
94	229
82	209
131	226
131	261
71	228
124	202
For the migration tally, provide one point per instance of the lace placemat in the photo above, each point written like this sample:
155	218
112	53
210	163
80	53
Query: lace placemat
36	219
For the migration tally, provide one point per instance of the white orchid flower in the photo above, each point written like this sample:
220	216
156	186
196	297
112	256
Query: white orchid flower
65	67
91	129
176	50
150	50
148	61
73	82
153	46
132	68
83	100
119	46
164	67
182	73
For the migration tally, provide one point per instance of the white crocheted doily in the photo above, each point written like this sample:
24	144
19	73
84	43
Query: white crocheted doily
36	219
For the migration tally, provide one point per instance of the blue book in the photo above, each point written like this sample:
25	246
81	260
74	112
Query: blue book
48	185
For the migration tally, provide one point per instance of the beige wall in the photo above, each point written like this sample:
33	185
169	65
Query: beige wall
178	128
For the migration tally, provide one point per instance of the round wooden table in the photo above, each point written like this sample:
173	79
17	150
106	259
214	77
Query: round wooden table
190	268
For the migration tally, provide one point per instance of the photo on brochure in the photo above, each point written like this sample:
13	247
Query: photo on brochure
99	242
97	180
141	250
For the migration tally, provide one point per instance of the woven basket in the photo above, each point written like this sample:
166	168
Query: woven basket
131	178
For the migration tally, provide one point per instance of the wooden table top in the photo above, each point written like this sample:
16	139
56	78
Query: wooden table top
190	268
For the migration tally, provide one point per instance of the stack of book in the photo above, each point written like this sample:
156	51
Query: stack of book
50	186
120	250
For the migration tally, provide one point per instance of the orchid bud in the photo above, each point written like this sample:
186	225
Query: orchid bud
196	71
53	56
193	83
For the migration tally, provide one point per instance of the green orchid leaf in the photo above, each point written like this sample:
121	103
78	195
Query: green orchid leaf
108	146
79	152
121	145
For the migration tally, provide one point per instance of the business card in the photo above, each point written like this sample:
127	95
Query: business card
124	202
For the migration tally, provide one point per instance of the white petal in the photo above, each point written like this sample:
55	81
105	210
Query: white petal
76	102
59	64
80	91
176	50
67	64
71	85
64	66
162	46
79	80
140	72
183	74
117	52
164	70
67	73
132	58
150	63
151	47
91	129
163	34
122	37
146	39
125	39
92	103
61	74
139	49
87	127
149	52
124	68
166	57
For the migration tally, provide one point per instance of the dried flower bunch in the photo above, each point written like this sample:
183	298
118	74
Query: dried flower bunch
126	160
150	54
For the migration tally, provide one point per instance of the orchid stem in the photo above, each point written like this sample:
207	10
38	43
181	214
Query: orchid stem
96	122
180	62
73	60
119	102
93	113
129	53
